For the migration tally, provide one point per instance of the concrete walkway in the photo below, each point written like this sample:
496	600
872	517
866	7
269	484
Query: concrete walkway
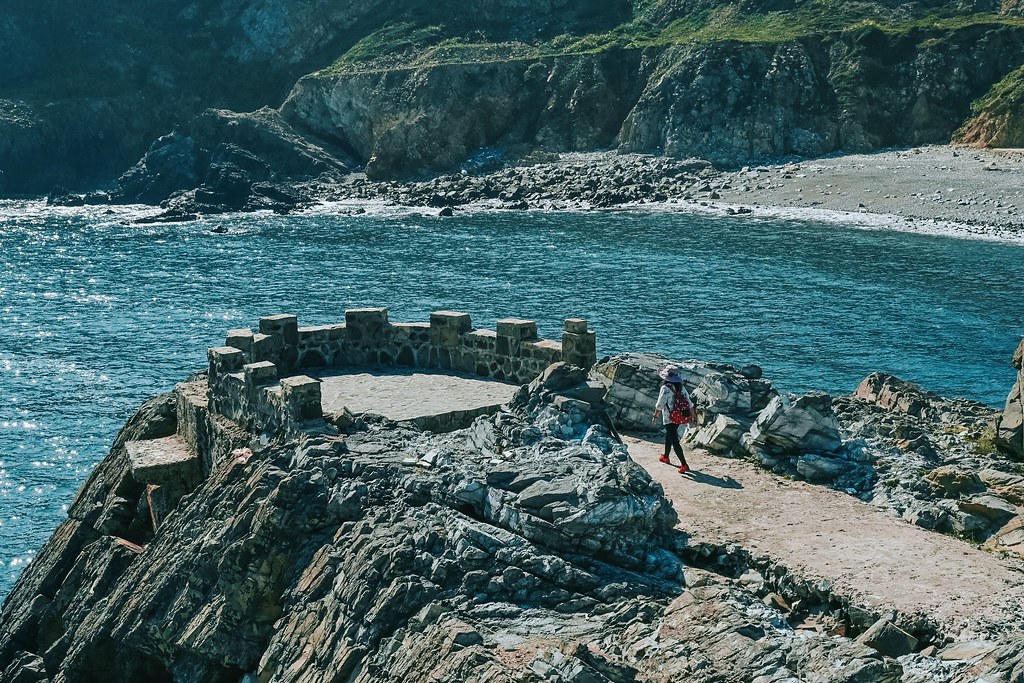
408	394
818	533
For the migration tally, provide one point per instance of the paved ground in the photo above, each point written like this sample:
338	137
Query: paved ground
816	532
407	394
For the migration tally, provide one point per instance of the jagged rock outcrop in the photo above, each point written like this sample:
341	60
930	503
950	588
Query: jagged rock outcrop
936	459
727	102
225	161
528	547
1010	429
417	121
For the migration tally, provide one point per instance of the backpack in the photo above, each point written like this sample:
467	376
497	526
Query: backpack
680	413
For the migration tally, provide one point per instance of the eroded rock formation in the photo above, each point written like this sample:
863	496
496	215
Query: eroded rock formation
527	546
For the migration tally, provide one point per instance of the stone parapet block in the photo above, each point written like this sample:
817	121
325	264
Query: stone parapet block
263	372
302	395
517	328
240	339
265	347
223	360
457	319
579	348
576	325
164	462
447	328
285	326
511	333
365	326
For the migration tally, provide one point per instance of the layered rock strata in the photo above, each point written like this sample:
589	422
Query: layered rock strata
529	547
234	535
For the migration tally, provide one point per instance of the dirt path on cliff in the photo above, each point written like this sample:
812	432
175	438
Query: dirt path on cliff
818	533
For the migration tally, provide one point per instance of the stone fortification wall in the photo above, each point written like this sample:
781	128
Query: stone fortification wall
255	378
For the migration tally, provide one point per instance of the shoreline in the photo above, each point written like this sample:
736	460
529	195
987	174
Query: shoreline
940	190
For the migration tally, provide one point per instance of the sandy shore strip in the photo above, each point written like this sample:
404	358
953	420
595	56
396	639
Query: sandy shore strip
940	189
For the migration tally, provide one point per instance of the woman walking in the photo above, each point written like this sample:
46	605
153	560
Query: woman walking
677	412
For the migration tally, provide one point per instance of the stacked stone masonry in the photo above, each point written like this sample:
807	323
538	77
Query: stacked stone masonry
256	379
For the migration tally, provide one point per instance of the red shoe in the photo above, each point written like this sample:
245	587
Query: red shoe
664	459
683	469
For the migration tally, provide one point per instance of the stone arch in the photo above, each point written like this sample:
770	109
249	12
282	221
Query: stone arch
312	359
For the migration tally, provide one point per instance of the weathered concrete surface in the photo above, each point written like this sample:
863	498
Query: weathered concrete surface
878	560
406	395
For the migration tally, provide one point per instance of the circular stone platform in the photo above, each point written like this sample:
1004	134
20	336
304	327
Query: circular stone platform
408	394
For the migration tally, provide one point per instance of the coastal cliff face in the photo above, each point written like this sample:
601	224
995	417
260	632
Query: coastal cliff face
417	88
726	102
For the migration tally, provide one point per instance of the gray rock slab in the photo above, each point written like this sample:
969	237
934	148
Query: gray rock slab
888	639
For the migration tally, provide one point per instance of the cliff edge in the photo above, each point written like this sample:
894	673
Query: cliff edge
238	532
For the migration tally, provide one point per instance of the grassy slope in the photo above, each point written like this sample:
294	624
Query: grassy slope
660	23
998	116
418	43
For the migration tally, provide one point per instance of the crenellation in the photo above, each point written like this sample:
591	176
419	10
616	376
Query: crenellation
265	347
257	384
576	325
263	372
517	328
240	339
579	346
448	327
283	330
302	397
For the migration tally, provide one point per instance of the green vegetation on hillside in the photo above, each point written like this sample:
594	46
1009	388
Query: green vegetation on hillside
415	45
1004	97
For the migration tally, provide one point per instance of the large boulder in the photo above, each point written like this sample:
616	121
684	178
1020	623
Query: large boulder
1010	430
901	397
951	481
821	469
718	389
719	436
795	425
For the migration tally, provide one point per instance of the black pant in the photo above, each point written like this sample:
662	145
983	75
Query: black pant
672	442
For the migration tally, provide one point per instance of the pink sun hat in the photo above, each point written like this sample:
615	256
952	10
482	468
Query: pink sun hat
670	373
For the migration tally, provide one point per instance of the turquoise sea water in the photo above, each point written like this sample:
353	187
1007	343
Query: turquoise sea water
96	315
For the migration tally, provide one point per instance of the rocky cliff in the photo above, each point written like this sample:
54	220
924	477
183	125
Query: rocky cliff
416	88
528	546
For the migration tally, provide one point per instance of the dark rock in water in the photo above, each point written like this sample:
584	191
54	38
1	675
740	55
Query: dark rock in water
751	371
224	162
446	211
59	196
218	230
168	216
